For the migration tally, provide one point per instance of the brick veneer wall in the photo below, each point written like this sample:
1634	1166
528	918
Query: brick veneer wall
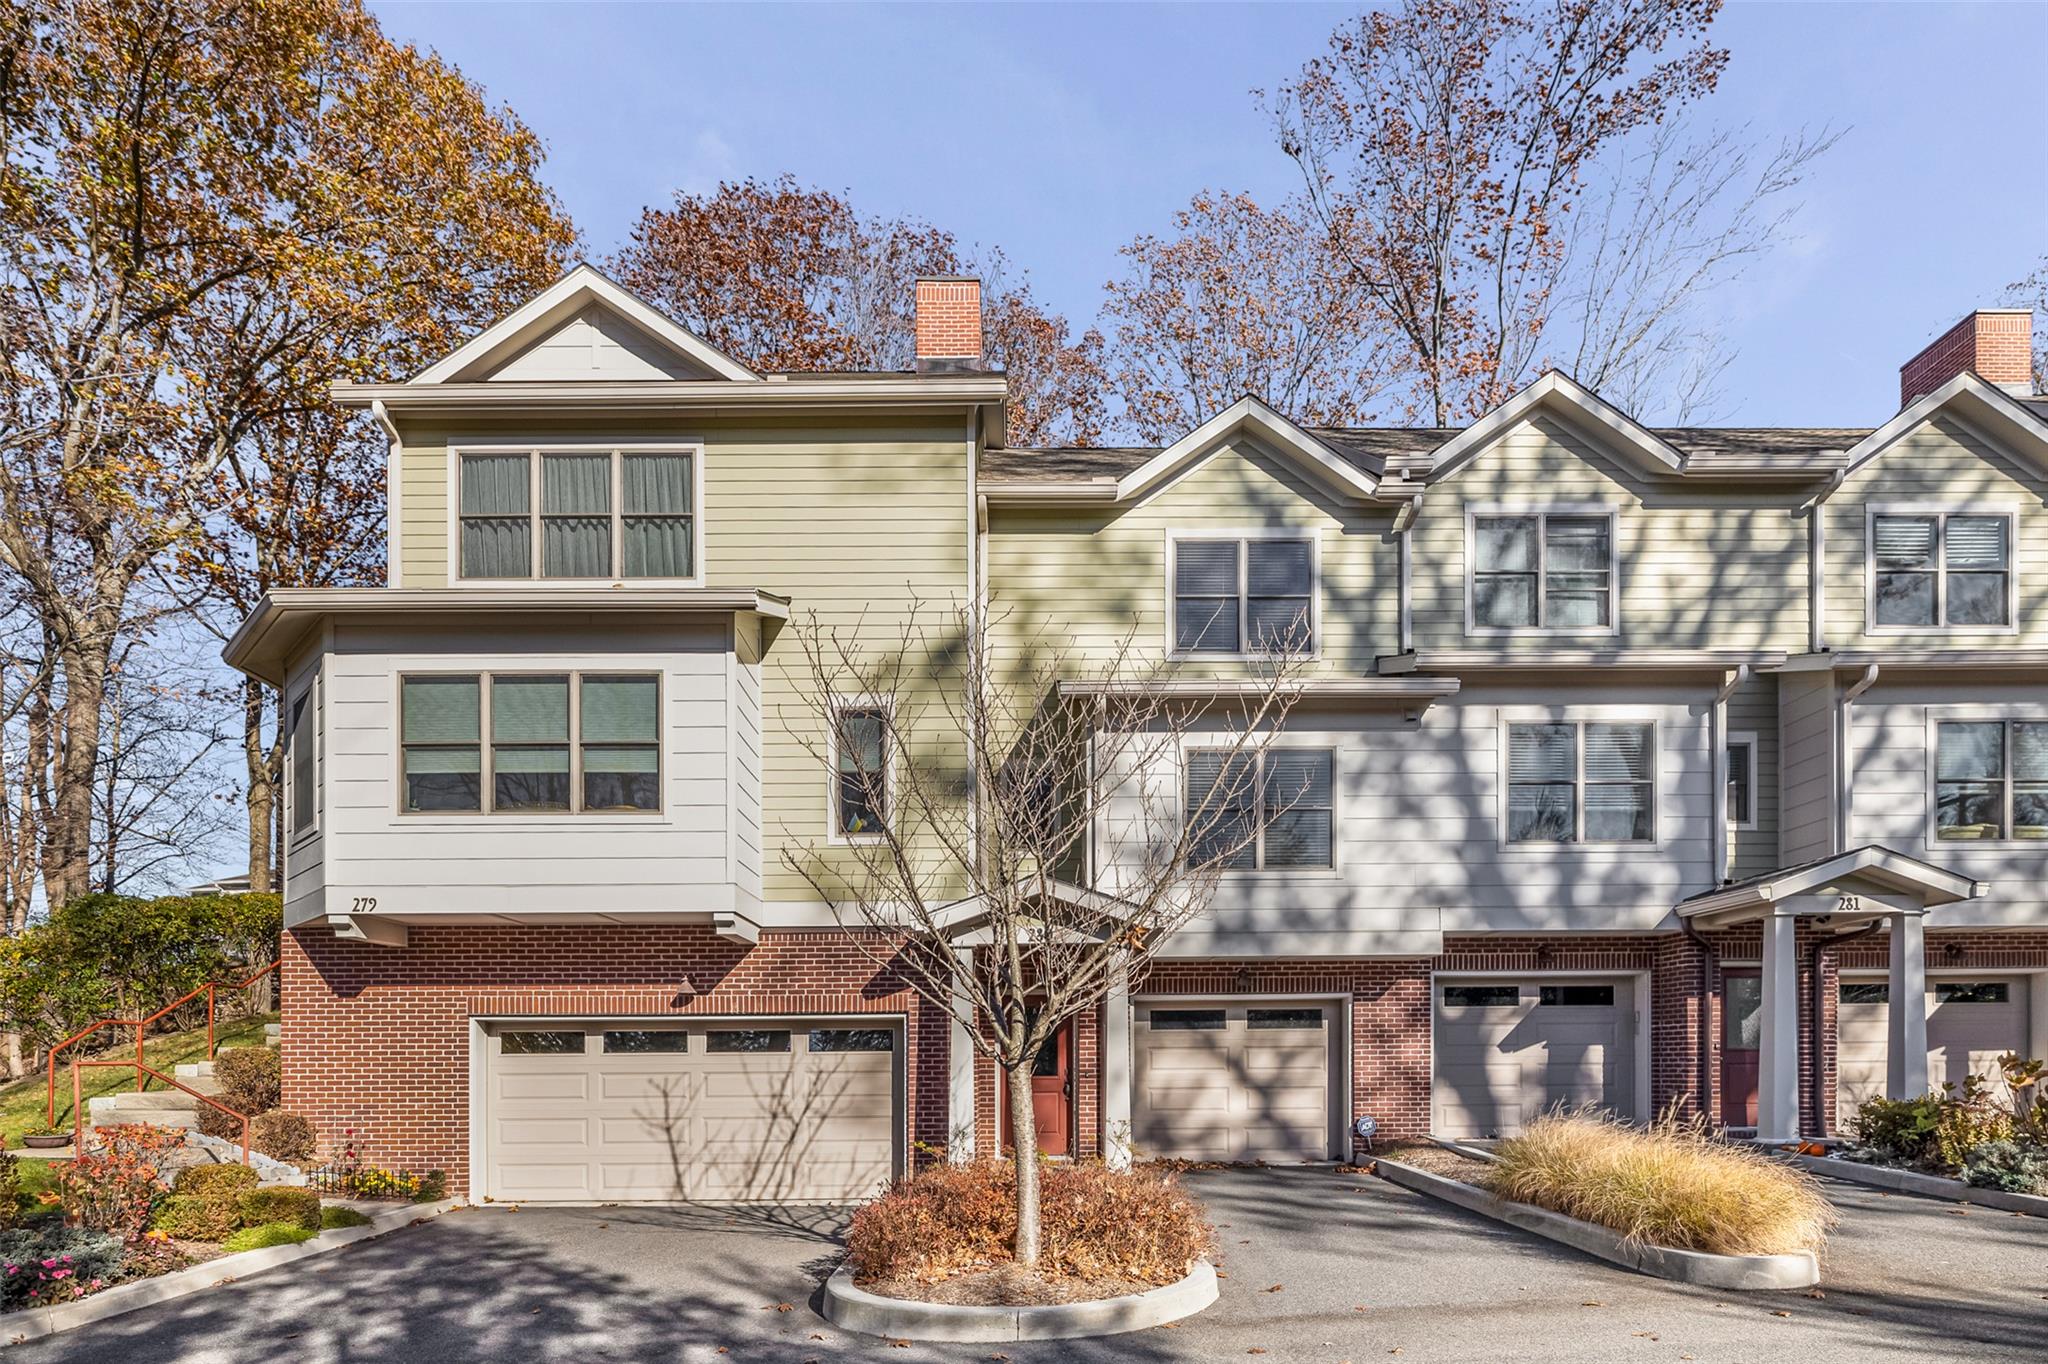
376	1039
1996	343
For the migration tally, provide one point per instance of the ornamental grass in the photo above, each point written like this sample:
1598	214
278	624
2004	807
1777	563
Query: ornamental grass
1671	1185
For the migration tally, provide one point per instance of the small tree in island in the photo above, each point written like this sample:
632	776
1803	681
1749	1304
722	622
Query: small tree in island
1019	825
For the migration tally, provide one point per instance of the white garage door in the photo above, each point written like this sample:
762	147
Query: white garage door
1508	1051
801	1112
1232	1082
1970	1024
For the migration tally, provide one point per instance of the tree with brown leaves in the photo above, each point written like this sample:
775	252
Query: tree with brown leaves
785	277
1444	144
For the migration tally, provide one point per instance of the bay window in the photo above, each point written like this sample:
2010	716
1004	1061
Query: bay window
558	743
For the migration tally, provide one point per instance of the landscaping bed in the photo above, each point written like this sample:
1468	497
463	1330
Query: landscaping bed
1667	1201
1989	1134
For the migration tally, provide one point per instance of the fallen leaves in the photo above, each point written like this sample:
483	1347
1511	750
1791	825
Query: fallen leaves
1779	1312
1592	1302
779	1307
1277	1288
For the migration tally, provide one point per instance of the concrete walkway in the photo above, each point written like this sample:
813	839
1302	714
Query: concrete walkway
1304	1251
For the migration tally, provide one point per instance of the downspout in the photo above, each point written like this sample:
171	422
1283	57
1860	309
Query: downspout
977	646
1818	1008
1404	526
1704	1086
1845	746
394	575
1817	564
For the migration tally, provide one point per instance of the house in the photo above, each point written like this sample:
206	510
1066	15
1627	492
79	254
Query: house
1640	766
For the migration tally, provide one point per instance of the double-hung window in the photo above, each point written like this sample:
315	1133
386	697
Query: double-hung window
529	743
1940	569
1236	596
1990	780
1742	781
601	514
1275	809
305	783
1581	782
860	775
1543	570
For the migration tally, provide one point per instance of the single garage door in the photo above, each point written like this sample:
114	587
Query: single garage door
781	1111
1507	1052
1232	1082
1970	1024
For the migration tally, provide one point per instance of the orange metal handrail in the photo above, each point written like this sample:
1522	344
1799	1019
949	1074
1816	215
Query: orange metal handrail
78	1130
141	1025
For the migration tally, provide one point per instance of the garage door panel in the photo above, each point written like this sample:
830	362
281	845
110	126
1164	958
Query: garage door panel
1964	1036
676	1120
1508	1058
1232	1089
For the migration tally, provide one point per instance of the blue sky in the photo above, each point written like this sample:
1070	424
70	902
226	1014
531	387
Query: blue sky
1059	132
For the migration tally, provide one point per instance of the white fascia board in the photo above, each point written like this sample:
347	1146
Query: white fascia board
2007	422
1390	689
1249	414
1567	396
965	916
561	300
1934	885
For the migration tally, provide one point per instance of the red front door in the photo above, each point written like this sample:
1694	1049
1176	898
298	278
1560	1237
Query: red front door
1052	1096
1742	1017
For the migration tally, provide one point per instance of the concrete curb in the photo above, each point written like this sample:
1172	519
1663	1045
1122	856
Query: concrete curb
1913	1182
856	1309
17	1328
1740	1272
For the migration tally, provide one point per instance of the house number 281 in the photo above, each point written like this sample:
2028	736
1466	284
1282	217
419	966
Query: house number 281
1848	904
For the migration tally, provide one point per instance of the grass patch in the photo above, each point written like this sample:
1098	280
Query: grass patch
1670	1186
268	1235
21	1103
332	1219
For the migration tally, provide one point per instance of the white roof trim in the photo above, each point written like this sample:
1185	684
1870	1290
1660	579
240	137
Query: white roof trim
1250	414
1564	394
2010	423
965	916
1933	885
561	301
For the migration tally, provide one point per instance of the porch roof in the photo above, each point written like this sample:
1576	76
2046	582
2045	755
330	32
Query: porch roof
1880	867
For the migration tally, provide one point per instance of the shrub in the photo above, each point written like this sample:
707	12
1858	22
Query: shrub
214	1179
282	1136
2008	1166
10	1188
433	1187
250	1081
55	1264
1670	1185
332	1219
111	1188
197	1217
1934	1131
298	1206
1093	1221
1898	1131
267	1235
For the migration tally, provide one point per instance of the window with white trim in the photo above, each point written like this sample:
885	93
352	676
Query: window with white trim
1581	782
535	743
570	514
1543	570
1234	596
860	769
1990	780
1742	781
1256	811
305	785
1940	569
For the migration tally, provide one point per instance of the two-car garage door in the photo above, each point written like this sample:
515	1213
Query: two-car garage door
1508	1051
770	1110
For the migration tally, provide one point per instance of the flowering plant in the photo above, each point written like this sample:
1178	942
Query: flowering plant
111	1189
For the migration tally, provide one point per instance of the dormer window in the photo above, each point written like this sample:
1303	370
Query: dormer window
1547	571
1237	596
1933	569
578	514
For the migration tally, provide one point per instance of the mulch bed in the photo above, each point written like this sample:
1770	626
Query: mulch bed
1007	1285
1427	1155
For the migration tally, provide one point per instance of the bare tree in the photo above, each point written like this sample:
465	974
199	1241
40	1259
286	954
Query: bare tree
2032	292
1667	222
1015	840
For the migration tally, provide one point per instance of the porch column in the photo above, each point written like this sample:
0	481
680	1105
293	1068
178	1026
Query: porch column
1777	1097
960	1075
1906	1018
1113	1069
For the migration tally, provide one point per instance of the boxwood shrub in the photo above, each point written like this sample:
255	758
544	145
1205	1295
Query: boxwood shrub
198	1216
299	1207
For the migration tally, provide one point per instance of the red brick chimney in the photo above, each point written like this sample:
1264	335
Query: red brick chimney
948	324
1997	343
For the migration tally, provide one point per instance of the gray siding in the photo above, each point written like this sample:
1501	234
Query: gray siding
1753	709
1806	772
305	855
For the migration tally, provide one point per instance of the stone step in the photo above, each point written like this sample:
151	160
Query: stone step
195	1070
158	1108
271	1032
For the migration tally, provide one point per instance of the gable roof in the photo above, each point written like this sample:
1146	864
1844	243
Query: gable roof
1560	394
556	306
2016	426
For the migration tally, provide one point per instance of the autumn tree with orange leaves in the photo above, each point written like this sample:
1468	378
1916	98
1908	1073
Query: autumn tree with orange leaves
784	277
1443	146
209	211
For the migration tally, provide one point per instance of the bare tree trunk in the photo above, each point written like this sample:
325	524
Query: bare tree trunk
262	785
67	868
1024	1132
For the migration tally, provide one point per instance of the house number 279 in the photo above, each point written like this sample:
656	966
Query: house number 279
364	904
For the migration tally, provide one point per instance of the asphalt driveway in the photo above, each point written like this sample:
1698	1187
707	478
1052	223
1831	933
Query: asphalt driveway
1320	1267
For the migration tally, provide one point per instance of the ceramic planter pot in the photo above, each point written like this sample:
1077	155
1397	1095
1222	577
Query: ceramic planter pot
46	1141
